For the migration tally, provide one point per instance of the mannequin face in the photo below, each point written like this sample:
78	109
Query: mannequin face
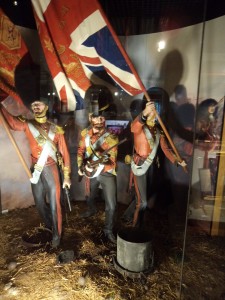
39	108
98	123
211	109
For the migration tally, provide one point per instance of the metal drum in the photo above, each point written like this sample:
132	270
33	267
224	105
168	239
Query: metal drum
134	250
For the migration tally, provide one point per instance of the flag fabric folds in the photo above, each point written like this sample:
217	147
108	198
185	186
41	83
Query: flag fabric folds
81	48
12	50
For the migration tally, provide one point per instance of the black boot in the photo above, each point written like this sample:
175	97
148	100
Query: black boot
88	213
55	242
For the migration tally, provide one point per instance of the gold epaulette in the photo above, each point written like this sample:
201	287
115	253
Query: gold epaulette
112	139
84	132
57	129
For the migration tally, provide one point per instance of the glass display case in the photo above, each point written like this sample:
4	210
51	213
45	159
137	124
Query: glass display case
178	50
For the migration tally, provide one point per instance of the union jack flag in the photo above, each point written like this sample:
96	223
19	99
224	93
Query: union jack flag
80	48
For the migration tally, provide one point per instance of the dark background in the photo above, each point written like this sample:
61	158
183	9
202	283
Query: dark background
129	17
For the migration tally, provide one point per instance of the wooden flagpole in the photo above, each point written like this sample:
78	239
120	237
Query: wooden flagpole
140	83
15	145
166	132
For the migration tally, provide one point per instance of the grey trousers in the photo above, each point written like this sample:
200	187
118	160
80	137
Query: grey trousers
49	187
108	184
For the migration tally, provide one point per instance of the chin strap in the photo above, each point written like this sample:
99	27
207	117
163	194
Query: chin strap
41	120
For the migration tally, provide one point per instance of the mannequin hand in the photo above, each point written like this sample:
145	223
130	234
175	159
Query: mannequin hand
182	163
89	169
80	172
66	183
149	110
105	158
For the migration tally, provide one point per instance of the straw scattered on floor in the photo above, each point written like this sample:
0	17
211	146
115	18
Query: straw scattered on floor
34	272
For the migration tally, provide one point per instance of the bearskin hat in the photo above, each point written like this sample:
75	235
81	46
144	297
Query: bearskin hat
99	98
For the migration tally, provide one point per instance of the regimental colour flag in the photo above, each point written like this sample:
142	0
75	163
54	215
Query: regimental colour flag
80	48
12	50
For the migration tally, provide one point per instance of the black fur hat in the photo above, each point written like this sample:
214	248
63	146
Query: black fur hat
99	98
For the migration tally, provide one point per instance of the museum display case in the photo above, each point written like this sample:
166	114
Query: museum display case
178	53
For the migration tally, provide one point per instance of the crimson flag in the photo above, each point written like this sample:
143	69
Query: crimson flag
12	50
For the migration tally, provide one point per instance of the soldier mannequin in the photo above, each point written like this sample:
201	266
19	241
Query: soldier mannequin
45	139
94	140
147	138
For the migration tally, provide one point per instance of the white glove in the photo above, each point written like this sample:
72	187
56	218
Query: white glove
182	163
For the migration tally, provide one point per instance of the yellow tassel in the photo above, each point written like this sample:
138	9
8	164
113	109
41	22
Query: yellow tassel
128	159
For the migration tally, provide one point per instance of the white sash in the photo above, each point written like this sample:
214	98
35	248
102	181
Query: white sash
96	145
47	150
141	170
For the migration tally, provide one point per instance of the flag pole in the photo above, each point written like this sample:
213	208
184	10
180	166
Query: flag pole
166	133
140	83
15	145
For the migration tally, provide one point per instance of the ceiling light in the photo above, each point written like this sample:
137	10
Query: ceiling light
15	3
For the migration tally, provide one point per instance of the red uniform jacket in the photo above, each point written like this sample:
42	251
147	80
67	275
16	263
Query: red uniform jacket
36	149
141	144
108	142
